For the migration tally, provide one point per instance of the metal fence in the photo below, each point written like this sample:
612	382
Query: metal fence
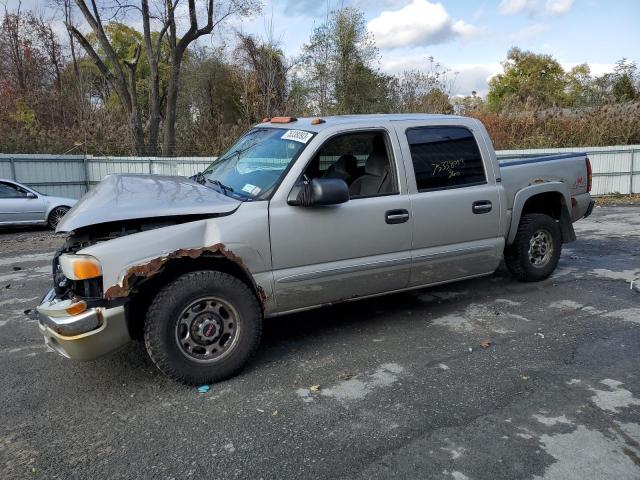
616	169
72	175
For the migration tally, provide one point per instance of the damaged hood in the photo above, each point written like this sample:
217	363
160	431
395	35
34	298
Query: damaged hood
129	197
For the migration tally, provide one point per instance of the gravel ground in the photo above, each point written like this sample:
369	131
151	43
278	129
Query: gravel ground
618	200
405	388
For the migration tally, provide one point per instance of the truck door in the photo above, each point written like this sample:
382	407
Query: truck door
362	247
455	202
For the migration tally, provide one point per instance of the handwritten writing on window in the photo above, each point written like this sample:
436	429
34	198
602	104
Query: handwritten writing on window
449	168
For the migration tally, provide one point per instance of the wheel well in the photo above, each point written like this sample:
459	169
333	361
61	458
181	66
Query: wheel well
548	203
145	292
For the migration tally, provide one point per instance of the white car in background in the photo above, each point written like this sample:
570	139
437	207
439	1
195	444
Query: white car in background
21	205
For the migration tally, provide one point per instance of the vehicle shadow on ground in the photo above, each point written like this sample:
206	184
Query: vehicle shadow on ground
307	330
25	229
296	335
290	336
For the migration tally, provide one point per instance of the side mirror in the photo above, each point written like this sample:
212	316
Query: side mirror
319	191
31	195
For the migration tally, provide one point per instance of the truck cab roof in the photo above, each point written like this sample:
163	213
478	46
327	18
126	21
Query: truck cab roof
313	125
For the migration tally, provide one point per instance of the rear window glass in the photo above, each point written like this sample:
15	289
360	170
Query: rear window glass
445	157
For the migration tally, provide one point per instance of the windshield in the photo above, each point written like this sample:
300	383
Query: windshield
252	168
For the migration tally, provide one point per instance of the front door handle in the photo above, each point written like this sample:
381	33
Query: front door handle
482	206
396	216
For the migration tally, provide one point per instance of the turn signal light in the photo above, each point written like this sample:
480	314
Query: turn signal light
76	308
80	267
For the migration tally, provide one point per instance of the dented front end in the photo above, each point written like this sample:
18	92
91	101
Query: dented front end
136	275
103	269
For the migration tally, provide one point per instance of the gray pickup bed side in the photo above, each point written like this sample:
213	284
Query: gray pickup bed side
553	184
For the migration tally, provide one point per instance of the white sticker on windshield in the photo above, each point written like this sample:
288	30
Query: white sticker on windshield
249	188
297	136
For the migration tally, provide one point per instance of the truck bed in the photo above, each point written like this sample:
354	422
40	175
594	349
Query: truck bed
568	168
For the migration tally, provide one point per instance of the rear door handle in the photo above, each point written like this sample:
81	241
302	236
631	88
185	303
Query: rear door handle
396	216
482	206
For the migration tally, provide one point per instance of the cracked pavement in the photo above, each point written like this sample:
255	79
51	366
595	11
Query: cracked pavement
396	386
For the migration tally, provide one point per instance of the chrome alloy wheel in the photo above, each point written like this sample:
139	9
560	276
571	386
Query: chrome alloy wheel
540	248
207	329
57	214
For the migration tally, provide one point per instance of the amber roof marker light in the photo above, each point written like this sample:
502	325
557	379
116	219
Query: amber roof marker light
317	121
283	119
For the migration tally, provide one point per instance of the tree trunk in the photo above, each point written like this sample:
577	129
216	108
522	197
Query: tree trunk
135	119
138	133
169	141
154	111
153	122
154	126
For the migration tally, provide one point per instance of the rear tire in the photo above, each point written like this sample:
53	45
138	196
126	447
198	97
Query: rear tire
535	252
203	327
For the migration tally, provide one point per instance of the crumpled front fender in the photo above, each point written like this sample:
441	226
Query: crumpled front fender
126	259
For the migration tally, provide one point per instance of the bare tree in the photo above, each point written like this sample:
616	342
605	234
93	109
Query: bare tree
12	41
113	71
50	45
268	70
67	11
124	81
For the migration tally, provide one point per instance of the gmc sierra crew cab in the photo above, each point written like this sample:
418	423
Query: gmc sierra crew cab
299	213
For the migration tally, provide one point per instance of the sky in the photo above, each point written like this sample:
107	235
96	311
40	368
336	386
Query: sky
469	38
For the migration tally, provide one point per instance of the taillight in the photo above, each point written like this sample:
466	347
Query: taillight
589	175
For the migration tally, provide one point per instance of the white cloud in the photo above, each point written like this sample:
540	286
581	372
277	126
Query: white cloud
533	7
466	30
474	78
464	77
530	32
512	7
417	24
558	7
597	69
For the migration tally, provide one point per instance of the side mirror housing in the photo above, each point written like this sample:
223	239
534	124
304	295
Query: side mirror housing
31	195
318	192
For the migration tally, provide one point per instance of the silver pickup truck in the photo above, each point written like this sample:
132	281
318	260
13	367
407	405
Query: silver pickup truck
298	214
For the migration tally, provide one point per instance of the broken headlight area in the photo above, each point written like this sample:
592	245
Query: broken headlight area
74	288
80	276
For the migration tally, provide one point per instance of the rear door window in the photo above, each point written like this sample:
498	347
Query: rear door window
445	157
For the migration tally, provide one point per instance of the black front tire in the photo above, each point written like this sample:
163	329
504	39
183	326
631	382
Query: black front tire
535	252
167	309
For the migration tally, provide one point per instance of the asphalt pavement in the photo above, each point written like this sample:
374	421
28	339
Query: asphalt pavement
483	379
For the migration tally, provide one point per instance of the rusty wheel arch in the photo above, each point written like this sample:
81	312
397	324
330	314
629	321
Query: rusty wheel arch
165	268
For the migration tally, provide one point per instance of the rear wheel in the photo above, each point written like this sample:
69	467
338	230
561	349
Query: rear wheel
535	252
203	327
56	215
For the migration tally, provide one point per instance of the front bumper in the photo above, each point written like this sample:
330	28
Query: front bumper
85	336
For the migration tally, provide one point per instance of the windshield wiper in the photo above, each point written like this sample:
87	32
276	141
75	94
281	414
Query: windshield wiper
221	186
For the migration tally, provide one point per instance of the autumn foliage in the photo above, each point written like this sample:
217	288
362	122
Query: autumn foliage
56	98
